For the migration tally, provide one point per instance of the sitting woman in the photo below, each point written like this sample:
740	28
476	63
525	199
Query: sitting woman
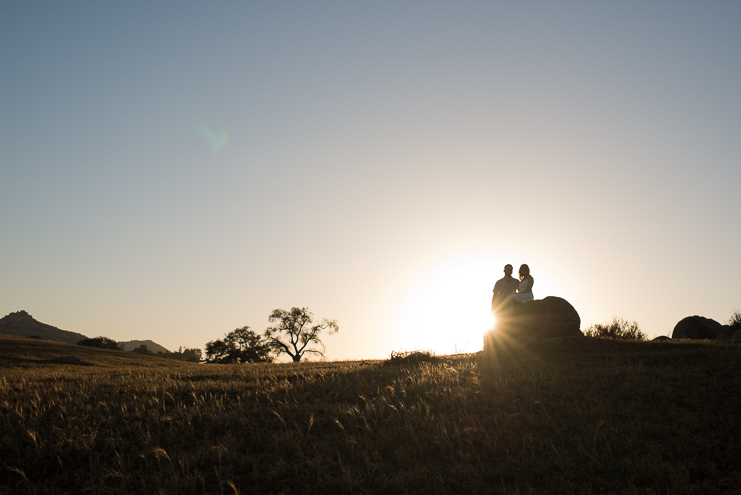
525	289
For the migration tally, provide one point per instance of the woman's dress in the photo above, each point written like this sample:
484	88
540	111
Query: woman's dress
522	296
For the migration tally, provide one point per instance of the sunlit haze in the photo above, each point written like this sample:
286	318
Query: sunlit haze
174	170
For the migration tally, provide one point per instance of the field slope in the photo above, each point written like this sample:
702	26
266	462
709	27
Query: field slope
602	416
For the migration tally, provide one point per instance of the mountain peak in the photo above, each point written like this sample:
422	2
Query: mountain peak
19	316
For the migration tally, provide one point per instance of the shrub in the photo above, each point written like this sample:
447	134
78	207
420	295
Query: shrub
412	357
735	321
100	343
618	329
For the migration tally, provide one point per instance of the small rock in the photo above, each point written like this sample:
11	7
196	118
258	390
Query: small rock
722	337
736	335
660	338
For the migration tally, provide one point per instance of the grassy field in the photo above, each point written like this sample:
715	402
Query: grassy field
590	417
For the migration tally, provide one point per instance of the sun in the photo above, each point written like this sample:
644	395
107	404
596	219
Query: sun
447	309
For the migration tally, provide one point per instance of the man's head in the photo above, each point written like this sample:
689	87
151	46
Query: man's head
508	270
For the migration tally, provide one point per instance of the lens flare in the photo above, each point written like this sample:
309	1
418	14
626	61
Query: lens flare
216	139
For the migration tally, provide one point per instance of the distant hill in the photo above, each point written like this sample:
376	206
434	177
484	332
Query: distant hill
151	346
21	352
22	324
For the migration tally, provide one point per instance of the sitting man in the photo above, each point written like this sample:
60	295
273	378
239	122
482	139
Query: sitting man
504	288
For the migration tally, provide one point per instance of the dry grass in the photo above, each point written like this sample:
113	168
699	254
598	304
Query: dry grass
602	416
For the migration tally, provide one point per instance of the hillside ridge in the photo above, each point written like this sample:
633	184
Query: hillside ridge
22	352
22	324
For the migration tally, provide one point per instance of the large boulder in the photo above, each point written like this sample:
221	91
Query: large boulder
542	318
697	328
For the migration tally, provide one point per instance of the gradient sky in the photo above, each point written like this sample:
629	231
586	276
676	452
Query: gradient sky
174	170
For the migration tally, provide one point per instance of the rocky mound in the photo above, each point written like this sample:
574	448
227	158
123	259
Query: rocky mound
549	320
701	328
542	318
697	327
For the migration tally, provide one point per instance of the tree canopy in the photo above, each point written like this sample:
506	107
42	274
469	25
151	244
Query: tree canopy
142	349
241	345
294	333
100	343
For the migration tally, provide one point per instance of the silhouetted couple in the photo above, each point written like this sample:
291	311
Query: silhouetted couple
509	290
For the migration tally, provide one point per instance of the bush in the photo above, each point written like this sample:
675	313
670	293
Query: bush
100	343
412	357
618	329
735	321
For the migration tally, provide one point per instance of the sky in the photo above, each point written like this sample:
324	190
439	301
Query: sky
175	170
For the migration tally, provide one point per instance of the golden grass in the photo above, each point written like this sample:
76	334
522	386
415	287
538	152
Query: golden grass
631	417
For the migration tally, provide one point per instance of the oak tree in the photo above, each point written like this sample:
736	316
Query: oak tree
294	332
101	343
241	345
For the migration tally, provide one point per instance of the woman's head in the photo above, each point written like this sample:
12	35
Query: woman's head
524	271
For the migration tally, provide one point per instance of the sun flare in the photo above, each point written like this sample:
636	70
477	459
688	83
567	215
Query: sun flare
447	311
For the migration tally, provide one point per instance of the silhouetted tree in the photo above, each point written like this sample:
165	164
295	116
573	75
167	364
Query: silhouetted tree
142	349
216	351
100	343
192	355
241	345
294	332
735	321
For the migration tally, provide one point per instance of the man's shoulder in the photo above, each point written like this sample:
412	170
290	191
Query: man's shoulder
506	282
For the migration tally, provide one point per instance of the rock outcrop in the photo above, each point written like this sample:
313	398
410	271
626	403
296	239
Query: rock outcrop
542	318
549	321
697	328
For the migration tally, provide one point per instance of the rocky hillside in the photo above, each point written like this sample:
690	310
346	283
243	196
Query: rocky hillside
22	324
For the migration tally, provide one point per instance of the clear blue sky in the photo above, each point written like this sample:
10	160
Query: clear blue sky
174	170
